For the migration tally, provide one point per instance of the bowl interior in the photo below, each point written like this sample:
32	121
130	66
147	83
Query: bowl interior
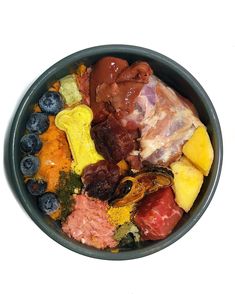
167	70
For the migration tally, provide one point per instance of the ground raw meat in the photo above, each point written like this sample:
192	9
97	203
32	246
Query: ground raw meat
89	224
166	121
157	215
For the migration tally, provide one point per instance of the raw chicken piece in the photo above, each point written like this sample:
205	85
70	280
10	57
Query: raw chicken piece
165	120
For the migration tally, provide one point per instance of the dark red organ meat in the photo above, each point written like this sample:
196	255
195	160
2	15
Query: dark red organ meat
114	86
100	179
137	72
121	96
106	70
112	140
157	215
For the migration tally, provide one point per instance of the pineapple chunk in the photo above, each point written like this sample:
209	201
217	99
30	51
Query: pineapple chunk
187	183
199	150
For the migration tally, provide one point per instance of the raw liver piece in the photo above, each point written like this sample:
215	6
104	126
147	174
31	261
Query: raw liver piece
157	215
114	86
106	70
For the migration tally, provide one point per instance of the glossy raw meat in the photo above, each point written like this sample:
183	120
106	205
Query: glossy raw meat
112	140
157	215
166	121
114	86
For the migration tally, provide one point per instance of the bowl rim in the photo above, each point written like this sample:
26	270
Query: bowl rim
11	164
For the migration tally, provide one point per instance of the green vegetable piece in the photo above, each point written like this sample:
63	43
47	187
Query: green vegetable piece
69	184
69	90
125	229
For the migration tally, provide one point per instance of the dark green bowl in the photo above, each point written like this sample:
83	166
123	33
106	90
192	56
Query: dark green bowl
167	70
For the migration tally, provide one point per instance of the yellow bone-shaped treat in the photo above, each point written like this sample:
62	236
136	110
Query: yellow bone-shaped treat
76	123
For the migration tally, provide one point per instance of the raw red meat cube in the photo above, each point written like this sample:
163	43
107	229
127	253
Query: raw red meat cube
158	214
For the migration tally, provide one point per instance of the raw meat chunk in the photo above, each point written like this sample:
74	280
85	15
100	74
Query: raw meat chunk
165	121
112	140
157	215
114	86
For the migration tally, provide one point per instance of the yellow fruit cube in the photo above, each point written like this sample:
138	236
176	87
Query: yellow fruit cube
199	150
187	183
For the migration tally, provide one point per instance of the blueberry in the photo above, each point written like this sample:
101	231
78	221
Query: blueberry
48	203
30	143
36	187
38	123
29	165
51	103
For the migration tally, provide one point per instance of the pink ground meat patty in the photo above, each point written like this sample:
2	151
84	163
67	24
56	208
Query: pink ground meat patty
89	223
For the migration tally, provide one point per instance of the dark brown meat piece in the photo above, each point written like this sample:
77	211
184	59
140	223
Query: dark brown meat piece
120	95
112	140
100	179
106	70
138	72
134	161
114	83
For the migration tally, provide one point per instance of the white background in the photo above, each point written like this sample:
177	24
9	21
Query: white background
200	35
